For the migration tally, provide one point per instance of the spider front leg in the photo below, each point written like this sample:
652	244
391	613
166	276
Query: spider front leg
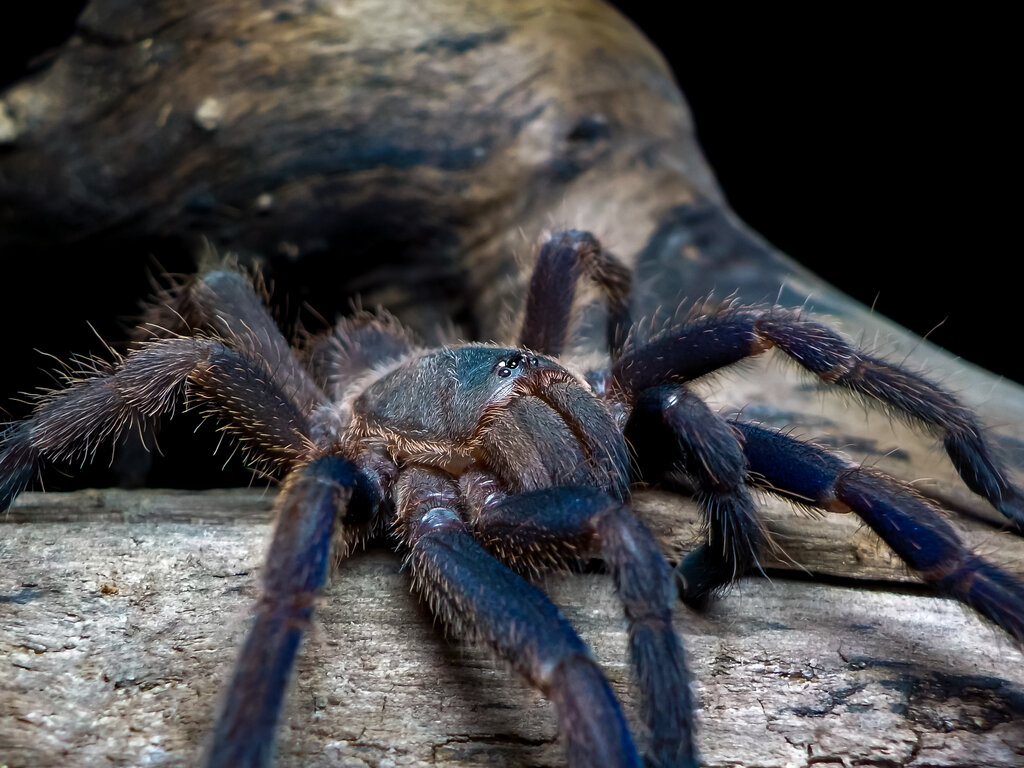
535	528
473	592
102	406
315	496
710	342
906	522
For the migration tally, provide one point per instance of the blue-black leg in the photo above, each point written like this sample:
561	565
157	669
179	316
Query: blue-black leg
712	341
908	395
102	405
672	429
685	352
324	491
564	258
914	529
474	593
534	528
356	345
226	303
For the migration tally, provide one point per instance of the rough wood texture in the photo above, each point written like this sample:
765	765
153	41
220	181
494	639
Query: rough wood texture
121	612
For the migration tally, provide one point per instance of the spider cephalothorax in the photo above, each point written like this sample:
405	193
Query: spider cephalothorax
484	461
521	415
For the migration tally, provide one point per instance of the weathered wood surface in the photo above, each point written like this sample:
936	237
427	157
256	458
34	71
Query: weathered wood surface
121	612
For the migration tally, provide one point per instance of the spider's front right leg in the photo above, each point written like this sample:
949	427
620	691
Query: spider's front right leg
473	592
102	406
327	490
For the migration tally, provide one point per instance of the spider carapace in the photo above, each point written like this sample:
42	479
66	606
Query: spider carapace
485	462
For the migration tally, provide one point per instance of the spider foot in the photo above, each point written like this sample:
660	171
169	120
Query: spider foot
701	574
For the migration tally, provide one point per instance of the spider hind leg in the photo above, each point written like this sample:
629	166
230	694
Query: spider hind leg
914	529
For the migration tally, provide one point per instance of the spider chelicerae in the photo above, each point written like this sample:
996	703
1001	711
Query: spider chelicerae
486	461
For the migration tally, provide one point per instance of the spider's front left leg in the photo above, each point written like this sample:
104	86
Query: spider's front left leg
709	342
316	496
473	592
535	528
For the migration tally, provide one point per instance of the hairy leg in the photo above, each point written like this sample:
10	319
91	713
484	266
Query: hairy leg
673	429
474	593
710	342
914	529
99	408
356	346
536	528
228	304
564	258
314	497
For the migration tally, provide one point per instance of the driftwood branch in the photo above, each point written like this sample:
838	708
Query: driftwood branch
122	611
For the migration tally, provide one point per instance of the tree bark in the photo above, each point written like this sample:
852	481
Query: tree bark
122	613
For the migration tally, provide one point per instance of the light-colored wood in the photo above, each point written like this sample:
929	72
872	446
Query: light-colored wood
117	631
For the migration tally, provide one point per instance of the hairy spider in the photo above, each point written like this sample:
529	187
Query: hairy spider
485	460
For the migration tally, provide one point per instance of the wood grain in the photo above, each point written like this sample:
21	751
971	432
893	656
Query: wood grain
119	627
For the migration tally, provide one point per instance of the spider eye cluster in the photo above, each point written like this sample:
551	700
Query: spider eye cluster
506	366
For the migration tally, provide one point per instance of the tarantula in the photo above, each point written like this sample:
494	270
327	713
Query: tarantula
485	461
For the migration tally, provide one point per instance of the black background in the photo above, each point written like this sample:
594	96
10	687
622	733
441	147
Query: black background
876	150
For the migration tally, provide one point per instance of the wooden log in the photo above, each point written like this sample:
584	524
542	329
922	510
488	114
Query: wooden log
122	612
